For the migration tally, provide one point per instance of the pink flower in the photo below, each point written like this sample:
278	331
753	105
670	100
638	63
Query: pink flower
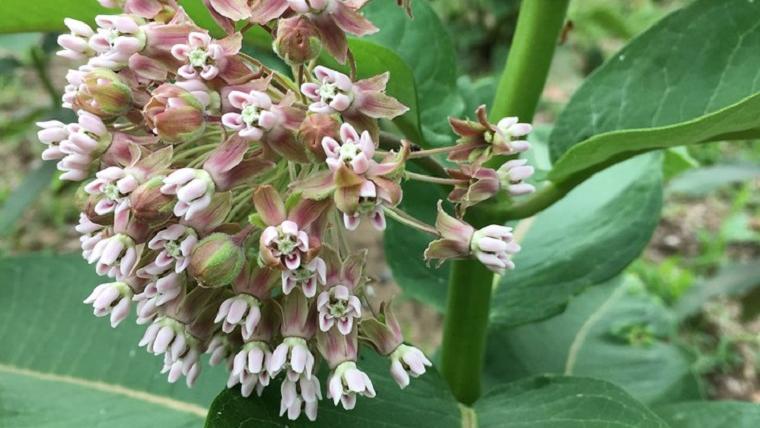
116	256
174	245
111	298
159	292
354	151
482	139
405	361
75	44
243	310
295	394
494	246
346	382
307	276
512	173
76	144
219	349
338	307
256	117
118	37
249	368
194	189
112	186
187	364
202	57
478	184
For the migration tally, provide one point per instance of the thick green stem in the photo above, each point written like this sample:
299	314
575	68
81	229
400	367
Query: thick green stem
470	283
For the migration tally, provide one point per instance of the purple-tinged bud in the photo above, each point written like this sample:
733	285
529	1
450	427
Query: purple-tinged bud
313	129
337	348
217	260
249	368
297	40
346	382
175	114
338	307
75	44
478	184
512	173
505	134
456	236
298	315
111	298
148	204
103	94
494	246
194	189
405	361
188	364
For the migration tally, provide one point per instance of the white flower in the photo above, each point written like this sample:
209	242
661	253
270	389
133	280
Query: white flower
243	310
407	360
116	256
292	354
337	306
306	276
194	189
111	298
345	382
174	245
494	246
303	393
511	175
75	44
201	56
249	368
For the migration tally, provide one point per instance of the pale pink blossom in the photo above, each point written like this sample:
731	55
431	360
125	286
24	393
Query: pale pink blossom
112	298
243	310
494	246
194	189
249	368
112	187
353	150
75	44
174	245
346	382
118	37
286	243
256	117
407	361
307	276
301	395
293	356
203	57
512	175
115	256
338	307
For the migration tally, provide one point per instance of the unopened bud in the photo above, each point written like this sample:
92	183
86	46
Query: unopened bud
216	260
102	93
313	129
297	40
148	204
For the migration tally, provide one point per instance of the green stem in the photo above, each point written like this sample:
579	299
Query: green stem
470	283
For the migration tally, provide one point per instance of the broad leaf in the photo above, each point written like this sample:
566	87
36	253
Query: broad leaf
55	343
586	238
562	402
427	402
424	44
731	280
701	181
699	69
616	332
712	414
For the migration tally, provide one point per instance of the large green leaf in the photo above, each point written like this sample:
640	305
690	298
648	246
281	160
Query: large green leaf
616	332
584	239
562	402
699	73
425	45
701	181
713	414
731	280
52	341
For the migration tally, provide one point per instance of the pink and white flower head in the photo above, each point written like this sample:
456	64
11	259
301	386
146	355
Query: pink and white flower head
303	394
494	246
203	57
371	204
194	189
346	382
118	37
338	308
115	256
407	361
75	144
113	186
187	364
353	151
76	44
285	244
512	173
336	93
249	368
91	232
292	355
174	245
53	132
478	184
161	292
308	277
481	139
166	335
256	116
333	94
111	298
241	310
509	130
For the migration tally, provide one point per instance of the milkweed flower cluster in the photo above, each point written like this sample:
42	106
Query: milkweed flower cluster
216	192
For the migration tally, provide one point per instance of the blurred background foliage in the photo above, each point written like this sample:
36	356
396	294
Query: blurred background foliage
701	265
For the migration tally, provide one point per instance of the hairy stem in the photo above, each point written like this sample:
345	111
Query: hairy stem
470	283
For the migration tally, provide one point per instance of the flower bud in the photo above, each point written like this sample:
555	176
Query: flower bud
297	40
103	93
216	260
313	129
148	204
175	114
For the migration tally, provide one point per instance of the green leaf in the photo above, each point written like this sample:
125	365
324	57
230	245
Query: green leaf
701	181
584	239
424	44
24	195
58	345
677	161
699	68
711	414
731	280
427	402
562	402
616	332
